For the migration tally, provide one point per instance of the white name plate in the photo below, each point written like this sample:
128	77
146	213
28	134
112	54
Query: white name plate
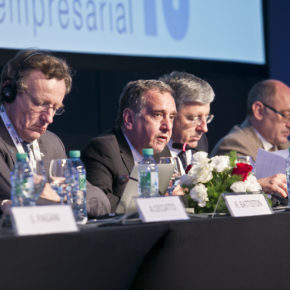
240	205
156	209
35	220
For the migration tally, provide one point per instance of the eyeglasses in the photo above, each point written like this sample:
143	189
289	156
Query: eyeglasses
45	106
277	112
199	119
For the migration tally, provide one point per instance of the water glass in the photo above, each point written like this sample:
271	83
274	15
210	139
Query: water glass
176	173
59	174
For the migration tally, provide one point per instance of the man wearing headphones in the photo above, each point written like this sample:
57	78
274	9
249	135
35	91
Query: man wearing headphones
33	86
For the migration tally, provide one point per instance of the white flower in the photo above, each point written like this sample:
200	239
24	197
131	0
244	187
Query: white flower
252	185
201	169
200	157
199	194
238	186
200	172
249	185
220	163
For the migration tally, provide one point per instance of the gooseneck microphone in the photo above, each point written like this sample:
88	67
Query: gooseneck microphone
185	155
182	146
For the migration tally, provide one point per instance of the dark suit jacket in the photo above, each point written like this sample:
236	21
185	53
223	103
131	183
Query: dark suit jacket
51	147
108	158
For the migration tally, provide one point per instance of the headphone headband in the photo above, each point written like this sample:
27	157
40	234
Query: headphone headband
30	56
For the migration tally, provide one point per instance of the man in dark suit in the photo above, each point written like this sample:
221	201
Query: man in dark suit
145	119
33	86
192	96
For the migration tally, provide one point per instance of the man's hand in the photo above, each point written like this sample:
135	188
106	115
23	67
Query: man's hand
276	183
6	206
178	190
49	194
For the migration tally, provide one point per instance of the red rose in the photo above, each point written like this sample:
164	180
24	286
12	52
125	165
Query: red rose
242	169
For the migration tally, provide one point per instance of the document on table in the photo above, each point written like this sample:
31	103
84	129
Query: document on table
270	163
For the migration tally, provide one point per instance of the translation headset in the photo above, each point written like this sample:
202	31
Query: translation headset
9	88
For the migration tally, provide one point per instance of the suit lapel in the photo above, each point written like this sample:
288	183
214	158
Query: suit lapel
8	142
125	151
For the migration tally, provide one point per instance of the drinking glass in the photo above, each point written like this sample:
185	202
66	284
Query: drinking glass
247	160
244	159
176	173
59	173
39	180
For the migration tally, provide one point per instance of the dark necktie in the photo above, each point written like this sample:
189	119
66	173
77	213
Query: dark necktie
182	157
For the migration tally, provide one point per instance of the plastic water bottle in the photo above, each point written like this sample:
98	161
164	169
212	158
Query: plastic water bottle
79	189
288	175
148	175
21	179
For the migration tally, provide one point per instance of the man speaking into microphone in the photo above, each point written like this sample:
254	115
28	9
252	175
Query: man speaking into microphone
145	119
192	96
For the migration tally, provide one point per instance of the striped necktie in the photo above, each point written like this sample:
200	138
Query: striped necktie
28	150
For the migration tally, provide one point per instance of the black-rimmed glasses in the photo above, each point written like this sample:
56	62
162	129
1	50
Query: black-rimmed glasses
277	112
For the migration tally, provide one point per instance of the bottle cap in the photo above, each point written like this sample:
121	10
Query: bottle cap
147	152
74	153
21	156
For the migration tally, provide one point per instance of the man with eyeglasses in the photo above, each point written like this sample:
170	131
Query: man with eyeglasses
192	96
267	126
33	87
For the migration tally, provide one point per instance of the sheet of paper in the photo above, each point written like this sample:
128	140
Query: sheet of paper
270	163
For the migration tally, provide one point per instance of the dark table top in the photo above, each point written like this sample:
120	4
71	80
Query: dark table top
200	253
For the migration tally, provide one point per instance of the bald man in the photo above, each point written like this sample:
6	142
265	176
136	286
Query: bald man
267	126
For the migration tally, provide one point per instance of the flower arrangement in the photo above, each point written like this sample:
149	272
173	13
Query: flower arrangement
207	178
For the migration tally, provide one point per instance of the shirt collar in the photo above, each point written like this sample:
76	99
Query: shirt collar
136	155
174	152
266	145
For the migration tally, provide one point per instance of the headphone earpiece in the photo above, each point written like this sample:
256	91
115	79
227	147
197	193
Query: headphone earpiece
8	93
9	89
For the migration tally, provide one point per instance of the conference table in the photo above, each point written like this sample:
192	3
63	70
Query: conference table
200	253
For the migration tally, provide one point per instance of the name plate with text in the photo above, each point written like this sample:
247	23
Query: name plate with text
157	209
35	220
240	205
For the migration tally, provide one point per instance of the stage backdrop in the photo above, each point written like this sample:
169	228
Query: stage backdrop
111	42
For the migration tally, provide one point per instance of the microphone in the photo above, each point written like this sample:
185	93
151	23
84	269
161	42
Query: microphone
125	178
184	157
184	147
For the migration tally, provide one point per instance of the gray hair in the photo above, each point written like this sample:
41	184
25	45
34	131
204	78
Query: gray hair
262	91
133	96
188	88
